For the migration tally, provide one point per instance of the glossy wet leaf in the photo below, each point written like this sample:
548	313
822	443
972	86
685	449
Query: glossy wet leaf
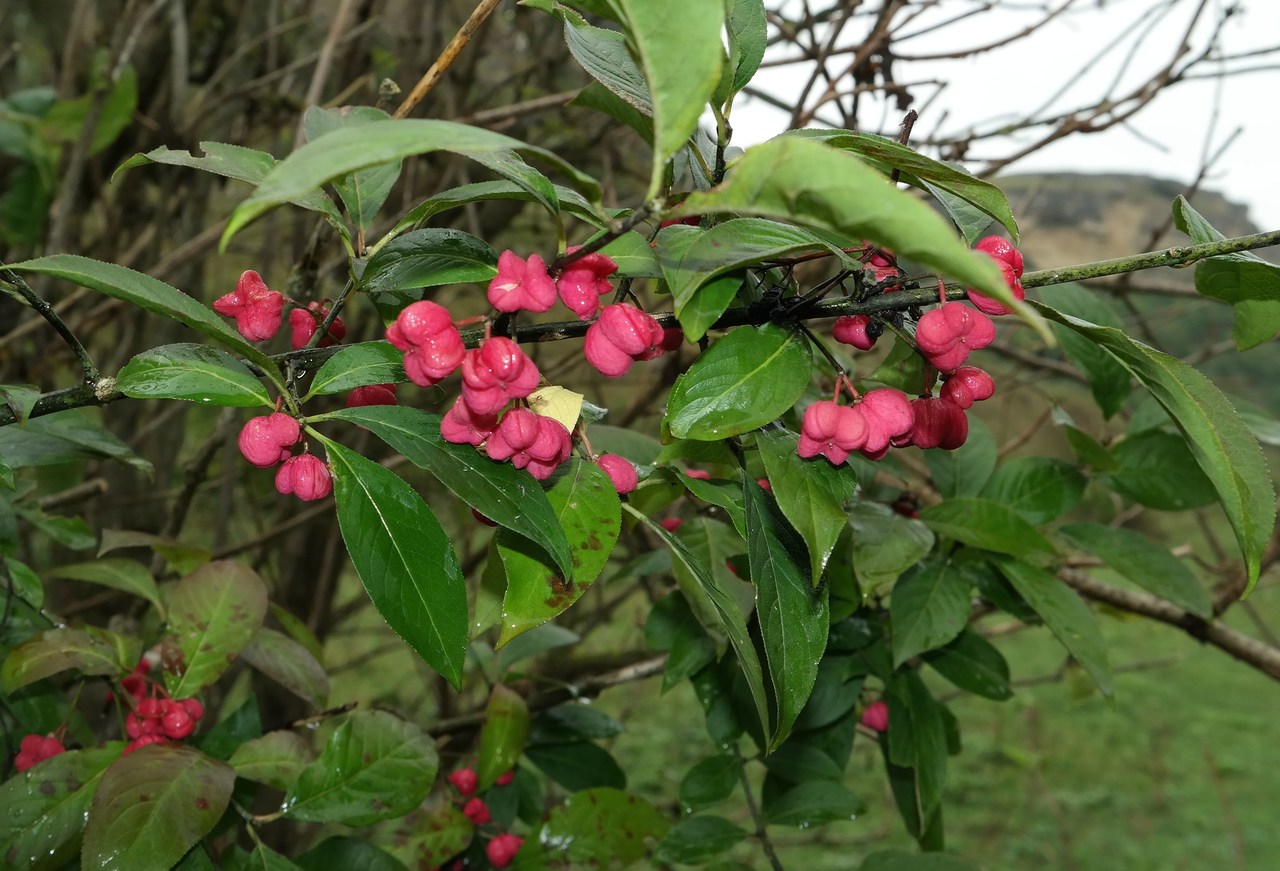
1041	489
195	373
988	525
403	558
350	854
1145	563
502	739
362	192
885	544
603	54
153	805
929	607
88	650
972	663
697	839
358	366
577	766
815	803
116	573
508	496
917	739
602	827
710	781
586	507
276	759
1142	466
375	766
747	379
430	257
213	615
289	664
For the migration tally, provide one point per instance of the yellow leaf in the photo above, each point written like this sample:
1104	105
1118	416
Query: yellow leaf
557	403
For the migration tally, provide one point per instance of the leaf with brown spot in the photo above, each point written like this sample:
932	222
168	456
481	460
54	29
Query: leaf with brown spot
214	614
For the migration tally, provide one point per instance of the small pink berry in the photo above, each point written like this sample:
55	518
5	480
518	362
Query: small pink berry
464	780
620	336
831	430
999	248
265	441
432	344
506	778
967	385
177	724
620	471
939	423
671	524
305	476
876	716
765	485
699	474
34	749
530	441
947	334
145	741
521	285
303	322
495	373
852	330
372	394
888	415
502	849
256	309
477	811
151	709
463	426
194	709
584	281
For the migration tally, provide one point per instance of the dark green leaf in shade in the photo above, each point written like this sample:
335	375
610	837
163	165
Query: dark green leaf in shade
917	739
885	544
730	617
898	860
793	615
1222	445
153	805
62	438
429	257
902	368
721	493
441	834
966	470
263	858
195	373
214	613
988	525
20	399
348	854
126	575
289	664
573	721
508	496
276	759
696	839
710	781
599	98
182	558
533	643
1065	614
502	740
26	583
819	187
1143	472
814	803
70	532
88	650
1041	489
681	66
635	257
145	292
813	495
834	693
577	766
232	731
673	627
42	811
972	663
1248	283
403	558
375	766
747	379
929	607
362	192
587	509
1138	559
601	828
970	220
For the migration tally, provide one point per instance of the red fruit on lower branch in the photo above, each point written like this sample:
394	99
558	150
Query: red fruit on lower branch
967	385
267	440
256	309
464	780
947	334
831	430
584	281
852	330
620	471
1001	249
463	426
620	336
502	849
521	285
939	423
476	811
305	476
495	373
303	322
876	716
530	441
432	344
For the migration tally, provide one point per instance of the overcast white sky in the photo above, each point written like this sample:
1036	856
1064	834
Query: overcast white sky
1167	138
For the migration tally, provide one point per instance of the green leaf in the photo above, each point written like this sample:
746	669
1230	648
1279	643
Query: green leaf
1066	616
363	192
182	558
917	739
577	766
1222	445
6	476
26	583
930	607
403	558
885	544
817	186
1041	489
573	721
350	854
603	54
276	759
153	805
587	509
696	839
61	438
814	803
42	811
508	496
1248	283
428	258
66	120
966	470
443	833
710	781
546	637
691	258
634	256
1142	472
730	617
972	663
358	366
70	532
793	615
214	613
375	766
672	627
234	729
601	828
192	372
747	29
126	575
748	378
1136	558
897	860
361	146
20	399
681	65
145	292
570	201
1110	382
289	664
987	525
726	495
89	650
266	859
599	98
502	740
920	171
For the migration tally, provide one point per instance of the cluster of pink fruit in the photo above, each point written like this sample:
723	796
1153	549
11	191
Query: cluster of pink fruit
502	847
886	417
257	311
35	749
156	720
268	440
